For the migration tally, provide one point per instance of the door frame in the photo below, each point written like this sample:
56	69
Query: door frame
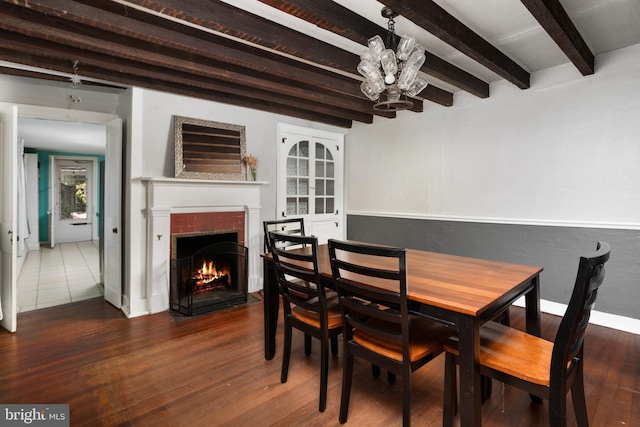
111	122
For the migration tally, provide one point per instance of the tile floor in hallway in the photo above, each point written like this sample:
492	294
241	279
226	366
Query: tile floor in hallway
69	272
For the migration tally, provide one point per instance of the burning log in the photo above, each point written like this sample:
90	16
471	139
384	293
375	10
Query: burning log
208	278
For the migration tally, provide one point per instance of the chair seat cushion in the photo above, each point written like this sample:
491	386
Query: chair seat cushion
334	315
513	352
426	337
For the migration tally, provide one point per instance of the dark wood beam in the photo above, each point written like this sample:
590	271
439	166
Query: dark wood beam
177	62
221	17
232	21
554	19
140	35
177	88
441	24
336	18
59	57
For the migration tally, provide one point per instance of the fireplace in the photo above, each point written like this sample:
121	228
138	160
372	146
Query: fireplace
179	206
208	272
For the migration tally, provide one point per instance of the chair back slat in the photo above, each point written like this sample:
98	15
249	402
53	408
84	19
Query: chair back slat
569	342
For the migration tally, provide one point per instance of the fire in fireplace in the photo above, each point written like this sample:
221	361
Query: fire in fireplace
208	272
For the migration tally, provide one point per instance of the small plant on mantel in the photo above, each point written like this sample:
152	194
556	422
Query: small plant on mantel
252	162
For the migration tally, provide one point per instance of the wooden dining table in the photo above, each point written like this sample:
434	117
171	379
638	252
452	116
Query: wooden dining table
457	291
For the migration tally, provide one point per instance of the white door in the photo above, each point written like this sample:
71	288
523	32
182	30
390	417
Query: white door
8	216
310	180
74	191
111	213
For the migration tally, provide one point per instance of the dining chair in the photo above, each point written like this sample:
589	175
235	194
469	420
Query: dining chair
293	226
306	308
544	369
372	288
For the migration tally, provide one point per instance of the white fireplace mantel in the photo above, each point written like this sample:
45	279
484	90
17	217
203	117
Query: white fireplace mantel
172	195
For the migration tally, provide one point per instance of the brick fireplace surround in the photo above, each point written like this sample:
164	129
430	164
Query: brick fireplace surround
185	206
207	222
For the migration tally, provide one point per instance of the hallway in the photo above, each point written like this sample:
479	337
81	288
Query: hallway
67	273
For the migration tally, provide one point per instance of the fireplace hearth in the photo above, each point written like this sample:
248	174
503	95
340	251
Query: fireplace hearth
208	277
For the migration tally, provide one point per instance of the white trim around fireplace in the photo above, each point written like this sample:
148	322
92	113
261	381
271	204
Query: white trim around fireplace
169	195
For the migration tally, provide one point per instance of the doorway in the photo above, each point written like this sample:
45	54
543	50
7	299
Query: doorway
111	128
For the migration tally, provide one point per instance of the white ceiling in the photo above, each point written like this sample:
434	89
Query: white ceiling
605	25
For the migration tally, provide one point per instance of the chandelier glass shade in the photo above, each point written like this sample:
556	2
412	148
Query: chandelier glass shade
391	71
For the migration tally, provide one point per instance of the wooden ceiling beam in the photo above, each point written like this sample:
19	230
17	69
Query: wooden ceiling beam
338	19
433	18
141	35
361	108
221	17
249	101
554	19
143	30
232	21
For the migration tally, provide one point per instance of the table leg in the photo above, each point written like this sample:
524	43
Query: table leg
469	361
532	316
271	303
532	309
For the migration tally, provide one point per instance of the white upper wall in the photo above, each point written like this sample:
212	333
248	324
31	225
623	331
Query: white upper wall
534	155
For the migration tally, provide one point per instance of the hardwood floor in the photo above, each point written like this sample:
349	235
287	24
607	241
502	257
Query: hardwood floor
210	370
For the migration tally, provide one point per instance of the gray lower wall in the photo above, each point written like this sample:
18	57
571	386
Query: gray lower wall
556	249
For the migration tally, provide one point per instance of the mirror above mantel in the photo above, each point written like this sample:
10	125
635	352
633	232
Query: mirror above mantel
209	150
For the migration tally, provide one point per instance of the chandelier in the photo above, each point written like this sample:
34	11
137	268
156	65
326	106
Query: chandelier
391	71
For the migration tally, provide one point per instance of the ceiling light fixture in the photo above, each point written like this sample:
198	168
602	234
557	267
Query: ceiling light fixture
392	69
75	82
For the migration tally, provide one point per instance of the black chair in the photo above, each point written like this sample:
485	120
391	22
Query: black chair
545	369
306	308
372	287
294	226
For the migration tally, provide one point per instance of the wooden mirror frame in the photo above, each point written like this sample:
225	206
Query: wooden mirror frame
210	150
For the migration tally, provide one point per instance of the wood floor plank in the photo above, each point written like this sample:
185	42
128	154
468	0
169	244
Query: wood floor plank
210	371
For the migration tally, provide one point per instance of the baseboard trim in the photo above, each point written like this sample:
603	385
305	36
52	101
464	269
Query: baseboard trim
613	321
